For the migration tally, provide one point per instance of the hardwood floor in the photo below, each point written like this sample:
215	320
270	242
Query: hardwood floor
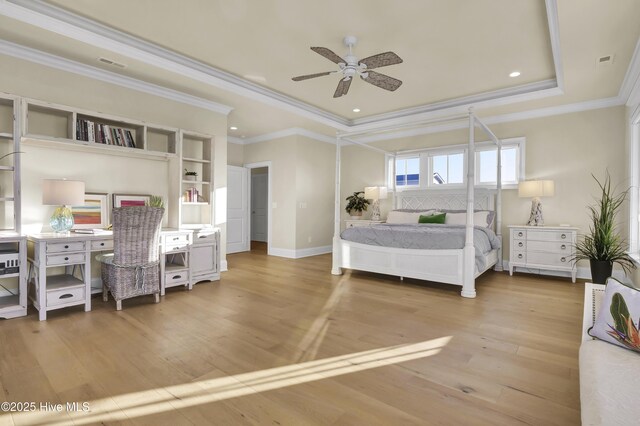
283	342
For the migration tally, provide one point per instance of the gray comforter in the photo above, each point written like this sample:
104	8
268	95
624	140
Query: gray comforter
424	236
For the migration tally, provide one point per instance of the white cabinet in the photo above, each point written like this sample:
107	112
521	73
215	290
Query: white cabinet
205	257
175	258
549	248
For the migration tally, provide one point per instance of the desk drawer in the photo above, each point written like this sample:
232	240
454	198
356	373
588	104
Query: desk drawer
172	239
65	259
65	296
101	245
176	278
202	238
65	247
176	248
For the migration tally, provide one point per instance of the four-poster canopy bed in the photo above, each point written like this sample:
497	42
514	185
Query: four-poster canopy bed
459	266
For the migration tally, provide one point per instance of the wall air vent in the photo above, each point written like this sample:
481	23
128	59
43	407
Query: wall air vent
604	60
111	62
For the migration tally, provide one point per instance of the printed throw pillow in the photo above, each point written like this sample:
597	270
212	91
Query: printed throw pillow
619	317
434	218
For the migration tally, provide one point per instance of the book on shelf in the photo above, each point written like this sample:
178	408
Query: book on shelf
90	131
191	195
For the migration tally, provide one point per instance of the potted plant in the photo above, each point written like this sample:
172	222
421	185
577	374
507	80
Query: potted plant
356	204
603	246
190	175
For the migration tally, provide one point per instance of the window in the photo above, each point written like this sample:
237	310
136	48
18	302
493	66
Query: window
447	169
408	172
446	166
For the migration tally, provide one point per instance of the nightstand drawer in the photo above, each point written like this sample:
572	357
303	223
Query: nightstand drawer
65	295
548	236
519	256
65	247
550	259
550	246
519	234
520	244
65	259
176	277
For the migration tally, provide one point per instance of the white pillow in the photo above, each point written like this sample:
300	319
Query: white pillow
479	218
398	217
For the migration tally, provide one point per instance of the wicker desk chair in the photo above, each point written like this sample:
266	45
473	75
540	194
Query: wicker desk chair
133	269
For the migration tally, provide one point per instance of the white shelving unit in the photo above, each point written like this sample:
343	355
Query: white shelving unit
196	155
13	284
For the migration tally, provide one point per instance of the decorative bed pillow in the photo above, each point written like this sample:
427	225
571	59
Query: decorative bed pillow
480	218
434	218
615	322
404	217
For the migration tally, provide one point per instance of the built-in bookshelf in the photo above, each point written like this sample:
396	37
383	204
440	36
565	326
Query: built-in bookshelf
196	191
51	124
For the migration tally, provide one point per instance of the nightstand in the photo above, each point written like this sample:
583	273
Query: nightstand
354	223
549	248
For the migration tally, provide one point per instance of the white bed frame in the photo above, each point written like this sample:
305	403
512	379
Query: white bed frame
446	266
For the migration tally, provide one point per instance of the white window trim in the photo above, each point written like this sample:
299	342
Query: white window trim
426	164
634	191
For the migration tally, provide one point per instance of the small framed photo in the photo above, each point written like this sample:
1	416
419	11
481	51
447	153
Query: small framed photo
129	200
94	213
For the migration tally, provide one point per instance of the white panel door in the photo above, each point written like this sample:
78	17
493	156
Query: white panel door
237	209
259	200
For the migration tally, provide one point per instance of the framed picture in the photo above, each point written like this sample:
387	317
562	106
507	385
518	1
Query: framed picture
94	213
128	200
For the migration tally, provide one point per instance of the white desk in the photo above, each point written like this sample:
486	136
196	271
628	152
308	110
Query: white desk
74	252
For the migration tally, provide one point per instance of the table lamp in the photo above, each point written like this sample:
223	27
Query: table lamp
375	193
62	193
535	189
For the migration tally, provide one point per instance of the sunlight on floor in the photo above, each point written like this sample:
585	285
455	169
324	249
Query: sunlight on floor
153	401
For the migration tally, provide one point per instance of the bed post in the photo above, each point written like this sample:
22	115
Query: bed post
469	253
335	269
499	206
393	177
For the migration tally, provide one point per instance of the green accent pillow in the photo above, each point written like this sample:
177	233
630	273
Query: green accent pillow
436	218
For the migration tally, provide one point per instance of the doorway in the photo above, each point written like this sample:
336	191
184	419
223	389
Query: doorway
259	201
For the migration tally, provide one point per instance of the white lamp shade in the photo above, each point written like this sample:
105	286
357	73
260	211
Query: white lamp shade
60	192
375	192
536	188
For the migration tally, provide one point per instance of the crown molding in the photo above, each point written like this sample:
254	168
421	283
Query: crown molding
60	21
630	89
293	131
424	130
43	58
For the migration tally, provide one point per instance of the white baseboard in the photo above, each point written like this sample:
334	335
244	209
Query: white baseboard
583	272
223	265
297	254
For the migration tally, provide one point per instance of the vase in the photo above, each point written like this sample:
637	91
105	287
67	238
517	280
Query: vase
355	214
600	270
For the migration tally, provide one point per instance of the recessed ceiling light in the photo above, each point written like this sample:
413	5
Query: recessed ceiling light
356	110
515	74
233	128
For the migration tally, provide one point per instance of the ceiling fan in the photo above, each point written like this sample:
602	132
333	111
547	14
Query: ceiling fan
350	66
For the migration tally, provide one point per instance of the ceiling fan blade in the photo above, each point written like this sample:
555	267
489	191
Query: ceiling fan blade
328	54
308	76
381	60
383	81
343	88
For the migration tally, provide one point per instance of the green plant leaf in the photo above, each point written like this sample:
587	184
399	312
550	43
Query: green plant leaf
620	313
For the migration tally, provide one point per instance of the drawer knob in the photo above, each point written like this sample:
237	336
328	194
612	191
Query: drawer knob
563	259
66	258
520	234
202	236
175	277
563	236
102	244
176	238
66	246
65	296
563	247
519	256
520	244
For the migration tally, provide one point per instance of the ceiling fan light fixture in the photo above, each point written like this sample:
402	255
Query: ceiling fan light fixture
514	74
